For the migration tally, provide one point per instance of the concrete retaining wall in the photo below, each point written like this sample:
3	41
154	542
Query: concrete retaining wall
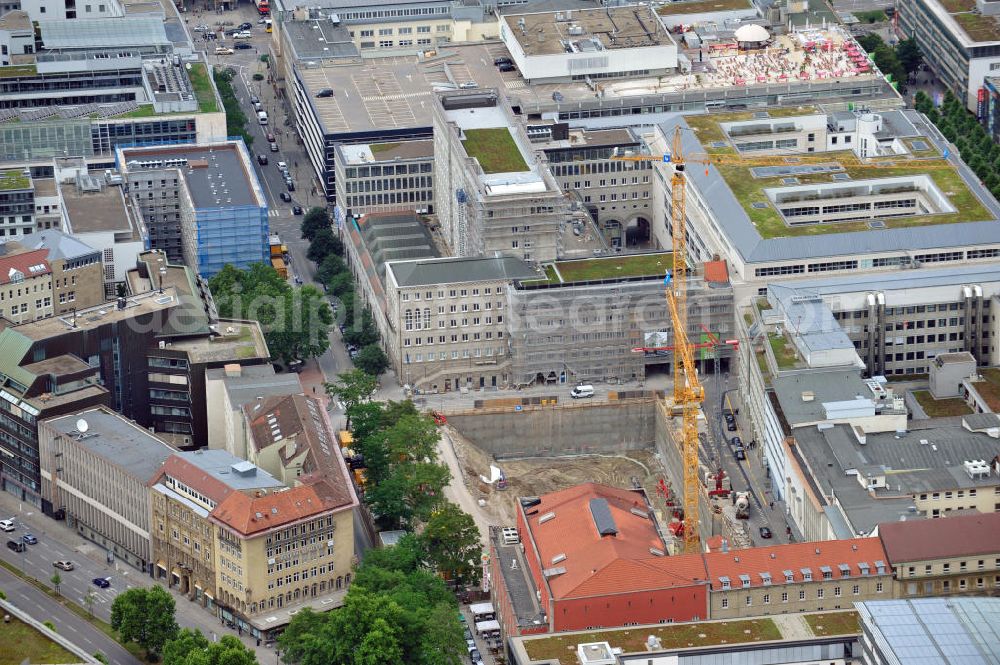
595	427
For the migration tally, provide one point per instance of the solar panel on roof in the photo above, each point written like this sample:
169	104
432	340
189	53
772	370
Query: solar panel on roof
601	512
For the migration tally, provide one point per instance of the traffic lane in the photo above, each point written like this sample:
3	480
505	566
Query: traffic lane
45	608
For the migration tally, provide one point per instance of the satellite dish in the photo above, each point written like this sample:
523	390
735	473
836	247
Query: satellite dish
82	426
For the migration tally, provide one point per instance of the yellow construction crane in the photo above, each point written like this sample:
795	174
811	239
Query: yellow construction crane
689	394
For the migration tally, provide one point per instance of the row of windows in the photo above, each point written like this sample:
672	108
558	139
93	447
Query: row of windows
797	269
394	198
390	13
377	171
464	337
963	566
599	167
459	293
488	352
410	182
820	594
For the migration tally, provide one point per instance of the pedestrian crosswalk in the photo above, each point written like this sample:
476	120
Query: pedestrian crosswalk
393	98
273	212
514	84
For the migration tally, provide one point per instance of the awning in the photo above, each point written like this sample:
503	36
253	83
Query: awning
487	626
482	608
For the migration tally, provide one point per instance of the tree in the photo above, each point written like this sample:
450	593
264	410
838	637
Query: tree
89	600
191	648
145	616
886	60
909	54
354	387
56	581
380	645
870	42
323	244
315	219
451	543
340	284
371	360
330	267
411	437
409	493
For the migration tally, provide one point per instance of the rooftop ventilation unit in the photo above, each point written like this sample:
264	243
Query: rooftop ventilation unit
546	517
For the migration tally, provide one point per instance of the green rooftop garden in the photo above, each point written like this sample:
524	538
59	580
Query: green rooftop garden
495	150
634	265
10	71
701	6
22	643
784	351
14	179
833	623
941	408
954	6
707	127
203	89
979	28
770	223
376	148
708	633
989	388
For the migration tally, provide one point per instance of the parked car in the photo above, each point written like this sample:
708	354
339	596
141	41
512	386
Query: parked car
503	60
242	35
283	167
736	442
30	539
468	85
201	28
325	92
296	210
102	582
286	197
262	160
246	25
740	454
16	545
270	136
254	99
63	565
274	147
289	184
6	525
242	45
580	391
507	67
222	50
765	532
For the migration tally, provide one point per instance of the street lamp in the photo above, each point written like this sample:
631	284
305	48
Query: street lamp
277	656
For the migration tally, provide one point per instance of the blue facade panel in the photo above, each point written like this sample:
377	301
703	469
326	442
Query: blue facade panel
236	235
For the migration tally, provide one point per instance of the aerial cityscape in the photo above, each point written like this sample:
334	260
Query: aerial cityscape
527	332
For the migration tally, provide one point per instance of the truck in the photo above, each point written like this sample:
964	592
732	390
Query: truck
278	263
278	248
741	502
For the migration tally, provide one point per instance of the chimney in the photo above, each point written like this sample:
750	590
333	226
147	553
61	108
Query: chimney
233	370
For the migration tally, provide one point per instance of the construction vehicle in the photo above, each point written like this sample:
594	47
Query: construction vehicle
278	263
278	248
688	393
741	502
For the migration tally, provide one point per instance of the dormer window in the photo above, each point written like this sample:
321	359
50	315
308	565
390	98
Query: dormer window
807	575
789	576
725	582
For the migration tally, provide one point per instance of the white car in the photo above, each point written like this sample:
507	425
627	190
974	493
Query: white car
243	35
6	525
222	50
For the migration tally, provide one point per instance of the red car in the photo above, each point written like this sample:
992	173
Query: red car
439	418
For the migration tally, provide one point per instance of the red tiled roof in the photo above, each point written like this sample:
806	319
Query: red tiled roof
197	479
794	557
23	263
922	540
716	272
249	515
597	564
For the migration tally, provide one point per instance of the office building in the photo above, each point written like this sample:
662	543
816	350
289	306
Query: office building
385	177
183	492
446	321
202	205
228	388
961	42
25	286
887	200
589	44
77	270
956	555
144	356
944	631
94	468
492	194
17	203
797	577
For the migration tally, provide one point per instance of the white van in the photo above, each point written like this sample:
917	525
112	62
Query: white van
582	391
262	117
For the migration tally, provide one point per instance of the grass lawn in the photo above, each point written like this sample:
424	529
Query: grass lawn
21	641
941	408
953	6
765	369
376	148
979	28
14	179
784	352
989	389
770	223
636	265
701	6
833	623
672	637
144	111
10	71
873	16
203	88
707	129
495	150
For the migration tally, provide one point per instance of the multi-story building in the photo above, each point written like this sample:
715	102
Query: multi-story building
25	286
76	269
183	492
589	43
445	327
146	356
895	192
582	320
616	193
229	388
17	203
40	10
94	468
989	108
961	42
957	555
385	177
797	577
202	205
492	194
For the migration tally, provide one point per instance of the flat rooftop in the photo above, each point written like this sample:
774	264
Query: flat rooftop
236	340
453	270
316	39
367	153
83	33
219	465
217	175
14	179
977	27
588	30
118	440
97	211
735	193
702	7
593	138
254	381
612	267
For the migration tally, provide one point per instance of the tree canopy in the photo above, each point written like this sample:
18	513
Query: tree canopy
450	542
314	220
371	359
190	647
145	616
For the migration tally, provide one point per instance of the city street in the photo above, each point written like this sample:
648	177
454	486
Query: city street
57	542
